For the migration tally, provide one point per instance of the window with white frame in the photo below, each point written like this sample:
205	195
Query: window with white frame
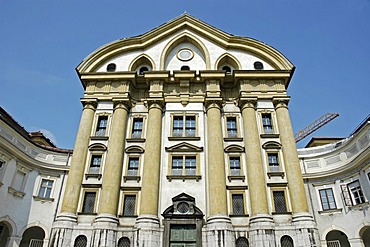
46	187
356	193
129	205
88	205
101	126
327	199
133	166
234	166
137	128
184	126
273	160
231	125
95	164
184	165
267	123
279	201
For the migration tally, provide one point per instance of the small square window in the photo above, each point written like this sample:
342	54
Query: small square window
235	166
137	128
133	166
129	205
327	199
45	188
89	202
267	123
101	126
238	204
279	201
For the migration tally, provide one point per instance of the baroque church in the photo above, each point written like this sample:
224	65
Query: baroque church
185	140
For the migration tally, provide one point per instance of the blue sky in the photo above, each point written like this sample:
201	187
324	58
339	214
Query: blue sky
42	42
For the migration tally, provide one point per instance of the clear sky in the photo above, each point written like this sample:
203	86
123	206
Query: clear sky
42	42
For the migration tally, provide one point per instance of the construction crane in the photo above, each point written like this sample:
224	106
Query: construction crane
324	119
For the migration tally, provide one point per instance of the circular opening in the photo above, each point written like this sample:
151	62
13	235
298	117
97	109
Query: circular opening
185	54
143	69
185	67
111	67
227	69
183	207
258	65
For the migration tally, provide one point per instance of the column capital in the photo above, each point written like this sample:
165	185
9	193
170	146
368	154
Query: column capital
280	102
122	103
155	103
213	103
247	103
89	103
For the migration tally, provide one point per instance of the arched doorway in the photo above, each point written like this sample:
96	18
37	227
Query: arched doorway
365	235
4	233
337	238
33	237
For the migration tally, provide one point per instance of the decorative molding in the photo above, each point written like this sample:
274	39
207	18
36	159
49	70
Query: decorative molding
271	145
184	147
134	149
234	149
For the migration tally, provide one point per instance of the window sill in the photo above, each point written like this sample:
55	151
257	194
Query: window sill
269	135
233	139
16	192
330	212
137	178
196	177
83	213
127	216
43	199
183	138
135	139
276	174
238	215
102	138
236	178
359	206
98	176
282	213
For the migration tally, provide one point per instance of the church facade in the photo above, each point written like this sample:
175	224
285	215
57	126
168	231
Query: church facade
185	139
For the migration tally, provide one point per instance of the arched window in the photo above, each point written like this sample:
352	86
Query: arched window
124	242
258	65
286	241
111	67
227	69
242	242
80	241
185	67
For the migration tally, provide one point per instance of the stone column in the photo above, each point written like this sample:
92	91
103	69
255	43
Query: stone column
110	192
255	171
216	160
76	172
292	168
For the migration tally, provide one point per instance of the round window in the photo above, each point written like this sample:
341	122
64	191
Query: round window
183	207
185	54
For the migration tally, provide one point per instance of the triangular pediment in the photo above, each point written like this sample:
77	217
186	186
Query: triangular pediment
184	147
183	197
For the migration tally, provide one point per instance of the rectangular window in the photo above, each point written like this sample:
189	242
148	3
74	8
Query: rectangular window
273	162
234	166
184	126
267	123
137	128
327	199
45	188
89	202
101	126
232	131
238	204
95	164
183	235
133	166
279	201
356	192
129	205
178	168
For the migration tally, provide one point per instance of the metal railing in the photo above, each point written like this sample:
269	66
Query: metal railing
36	243
333	243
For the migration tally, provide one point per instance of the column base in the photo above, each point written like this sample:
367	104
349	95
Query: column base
218	232
262	230
149	229
65	219
106	220
303	220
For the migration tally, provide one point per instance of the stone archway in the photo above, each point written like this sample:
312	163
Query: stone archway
33	237
5	232
365	235
336	238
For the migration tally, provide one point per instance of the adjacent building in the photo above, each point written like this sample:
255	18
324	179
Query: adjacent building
185	139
